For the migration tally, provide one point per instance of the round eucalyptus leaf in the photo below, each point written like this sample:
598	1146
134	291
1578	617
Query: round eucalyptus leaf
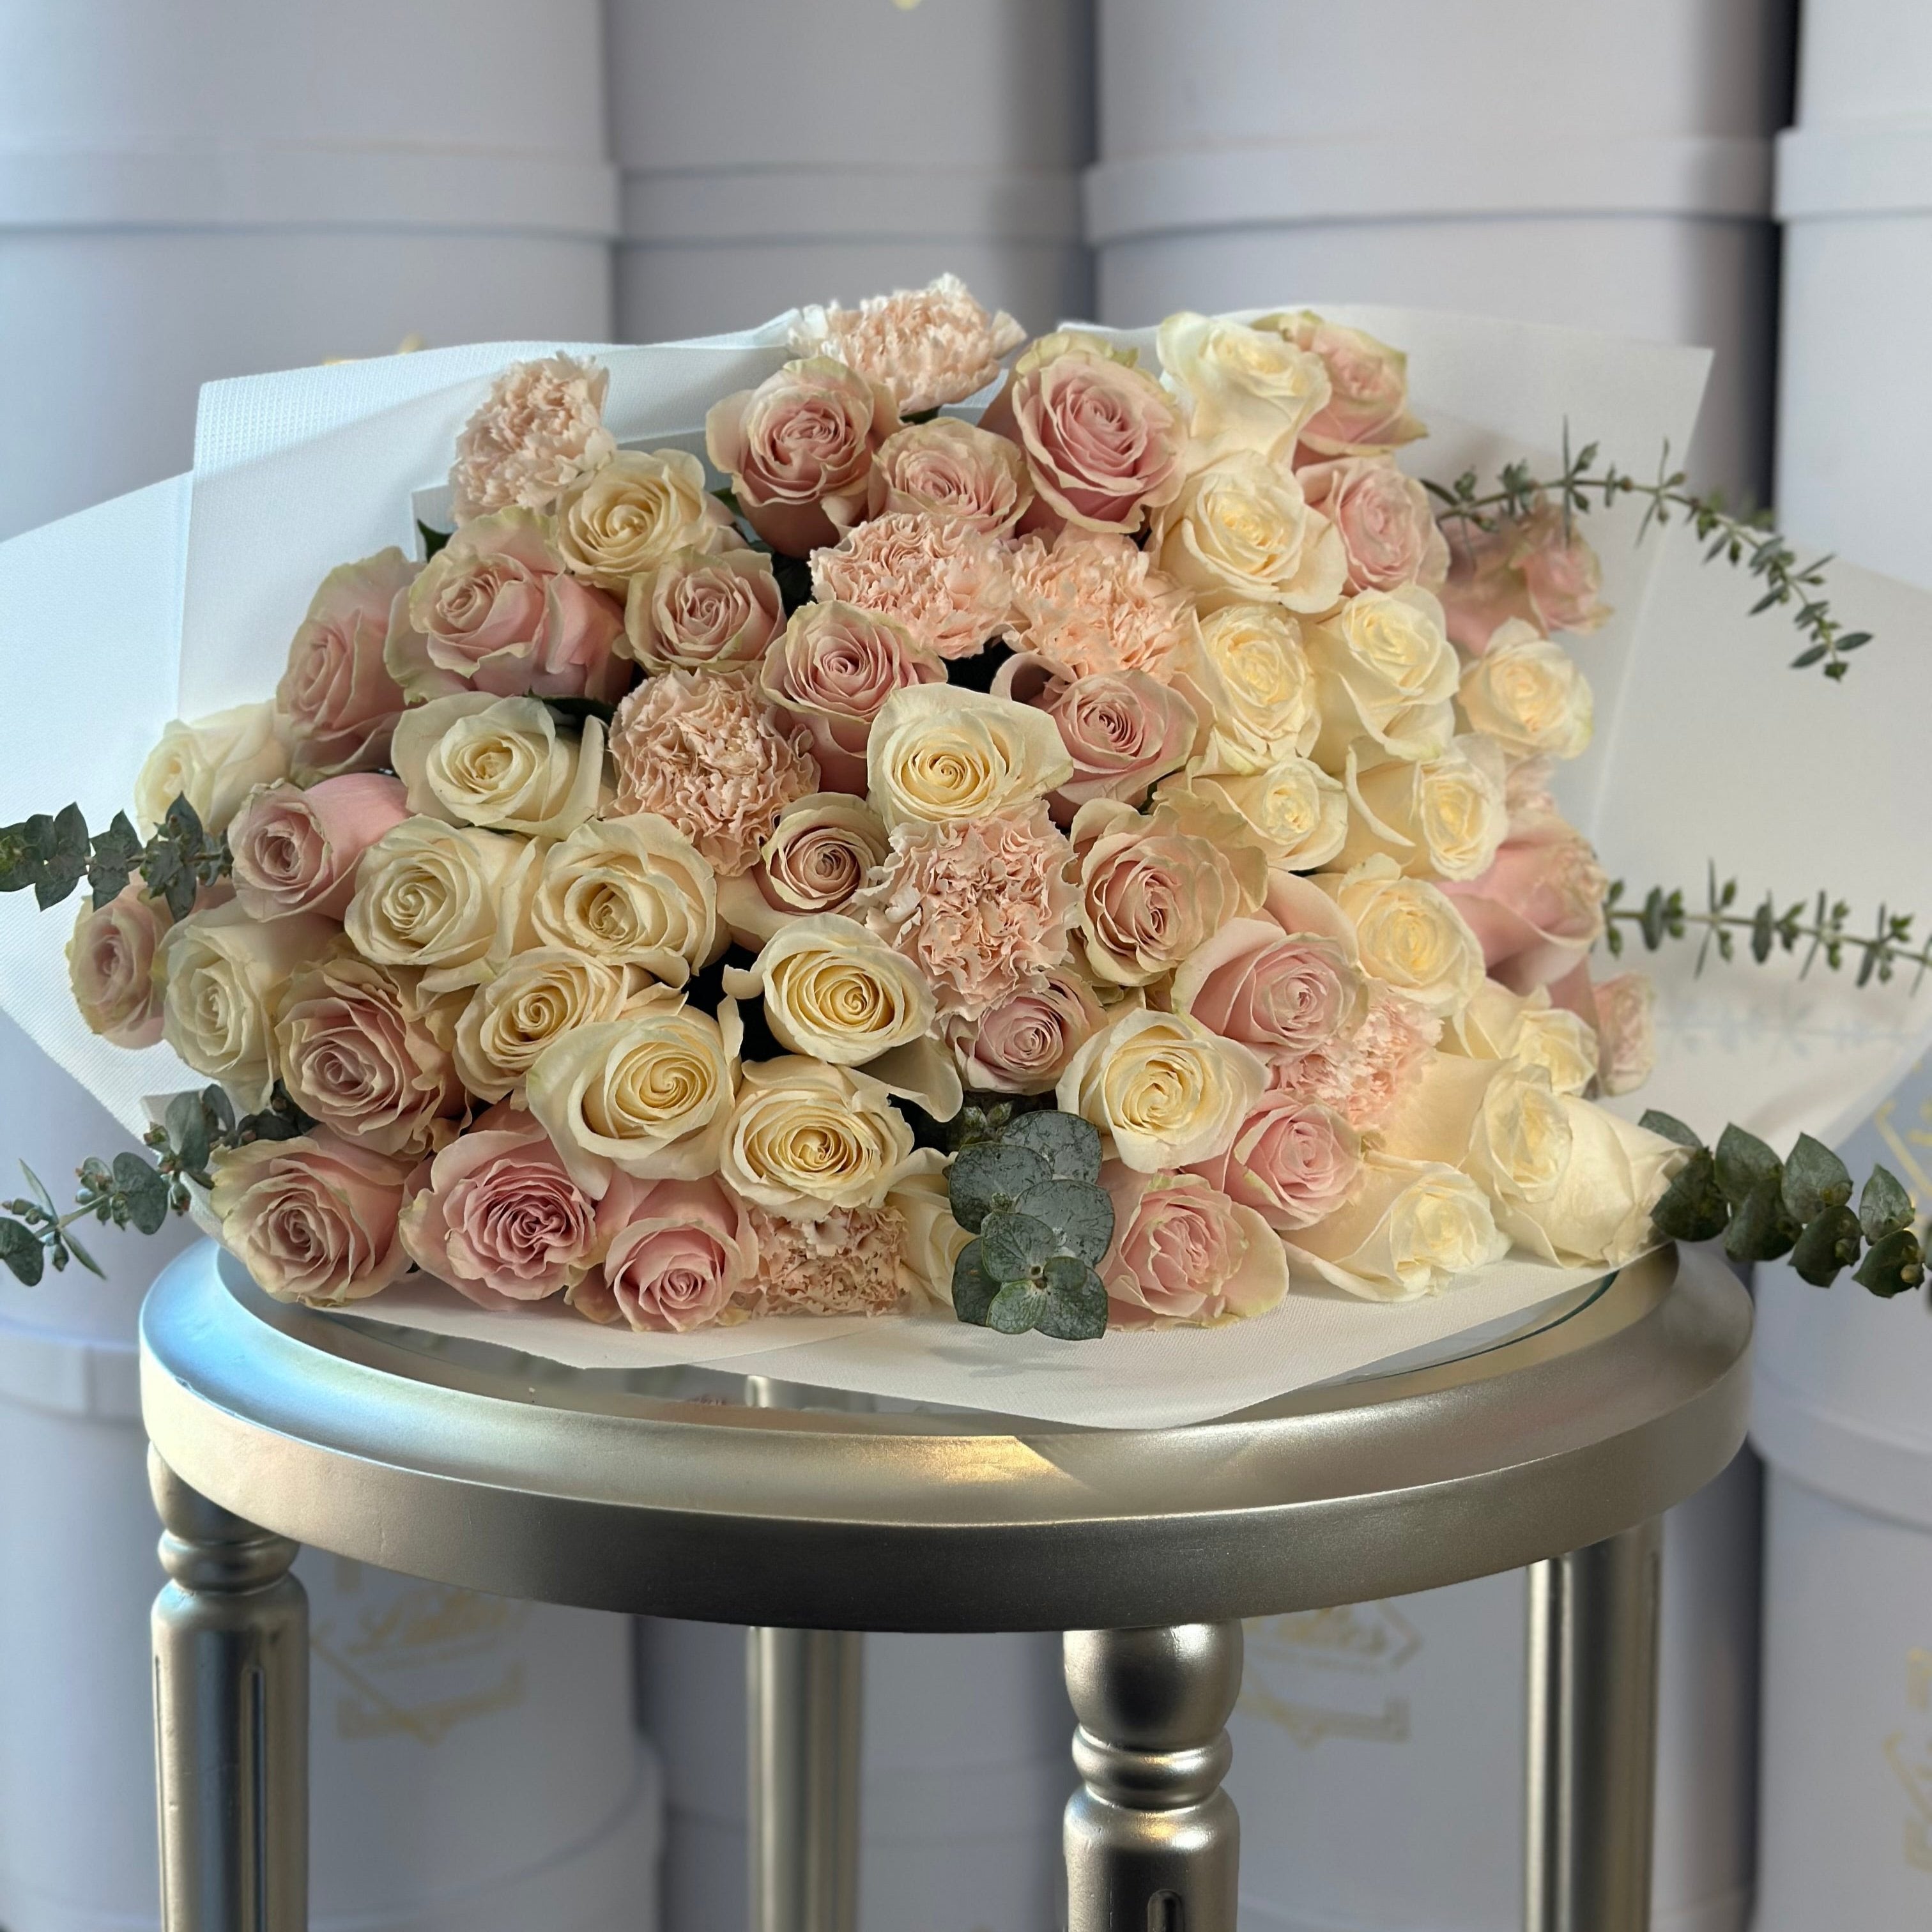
1080	1214
973	1289
1014	1247
1070	1145
989	1177
1076	1302
1017	1307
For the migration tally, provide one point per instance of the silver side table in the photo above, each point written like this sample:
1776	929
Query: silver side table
814	1517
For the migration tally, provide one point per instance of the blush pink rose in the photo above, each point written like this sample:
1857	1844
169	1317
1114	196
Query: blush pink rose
1367	411
494	610
1294	1162
1277	992
497	1216
704	610
1623	1009
1022	1044
110	965
681	1252
1539	909
798	450
947	468
1532	569
337	703
1183	1252
1383	517
832	670
1123	730
297	851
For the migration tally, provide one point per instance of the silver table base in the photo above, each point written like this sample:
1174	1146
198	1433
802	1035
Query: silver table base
504	1475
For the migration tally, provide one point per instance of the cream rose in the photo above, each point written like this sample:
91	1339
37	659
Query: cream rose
1242	388
646	1095
805	1138
1438	818
833	991
220	972
1503	1125
635	513
1600	1211
1409	935
629	891
1241	532
940	752
1528	693
1295	812
932	1239
1413	1227
1383	671
450	899
1525	1028
538	996
500	763
704	610
1251	678
214	763
110	966
1163	1091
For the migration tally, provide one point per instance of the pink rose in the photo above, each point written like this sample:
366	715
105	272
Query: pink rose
947	468
832	669
498	1217
1270	990
110	966
1385	521
297	851
1532	569
820	853
948	583
1539	908
682	1250
1367	411
1103	439
704	611
494	610
1022	1044
1183	1252
1123	729
315	1219
337	703
1293	1162
798	450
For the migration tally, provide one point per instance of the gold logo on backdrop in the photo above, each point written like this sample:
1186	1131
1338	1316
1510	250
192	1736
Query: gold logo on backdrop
1323	1673
1908	1752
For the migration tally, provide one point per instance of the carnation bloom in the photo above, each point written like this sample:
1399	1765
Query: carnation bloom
851	1262
1096	603
1366	1075
928	346
540	429
983	906
946	582
705	752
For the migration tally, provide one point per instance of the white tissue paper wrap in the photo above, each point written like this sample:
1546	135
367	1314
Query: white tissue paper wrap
178	600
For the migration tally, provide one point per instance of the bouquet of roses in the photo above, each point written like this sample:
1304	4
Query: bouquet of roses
1070	841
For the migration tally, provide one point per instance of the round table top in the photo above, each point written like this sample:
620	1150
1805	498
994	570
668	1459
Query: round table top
695	1493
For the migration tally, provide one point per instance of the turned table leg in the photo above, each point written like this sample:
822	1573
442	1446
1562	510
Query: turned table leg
1152	1843
1592	1756
231	1720
803	1705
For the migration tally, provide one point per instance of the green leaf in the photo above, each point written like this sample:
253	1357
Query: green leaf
1017	1307
67	858
1080	1214
973	1289
1895	1265
1076	1306
144	1188
989	1177
1829	1243
1815	1179
187	1125
116	853
1745	1163
1693	1207
1670	1127
1069	1146
575	710
1885	1206
40	1188
220	1111
1014	1247
21	1251
433	541
1760	1230
81	1254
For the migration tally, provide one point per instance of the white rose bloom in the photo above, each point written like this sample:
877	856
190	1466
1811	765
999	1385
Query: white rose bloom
220	972
1441	817
1385	670
1601	1210
933	1239
1408	934
540	995
1242	388
804	1139
1413	1228
1241	532
940	753
472	759
631	891
1527	1029
1527	695
1501	1125
1298	815
1163	1091
214	763
449	899
636	512
1251	679
647	1096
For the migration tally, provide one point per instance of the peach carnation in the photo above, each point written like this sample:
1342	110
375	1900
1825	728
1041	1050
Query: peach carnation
703	750
928	345
540	430
1094	604
850	1263
982	906
946	582
1365	1075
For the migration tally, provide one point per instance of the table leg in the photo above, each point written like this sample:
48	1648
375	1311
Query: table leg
803	1703
1592	1740
231	1720
1152	1842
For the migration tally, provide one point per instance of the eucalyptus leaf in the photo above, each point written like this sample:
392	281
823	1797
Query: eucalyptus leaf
1080	1214
1830	1243
1745	1163
21	1252
1068	1145
1014	1247
1895	1265
1885	1206
973	1289
1670	1127
990	1176
1693	1207
145	1188
187	1122
81	1254
1076	1302
1815	1179
1017	1308
1760	1230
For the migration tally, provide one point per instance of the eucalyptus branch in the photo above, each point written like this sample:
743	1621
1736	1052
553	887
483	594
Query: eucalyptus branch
1748	541
53	854
1822	925
131	1191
